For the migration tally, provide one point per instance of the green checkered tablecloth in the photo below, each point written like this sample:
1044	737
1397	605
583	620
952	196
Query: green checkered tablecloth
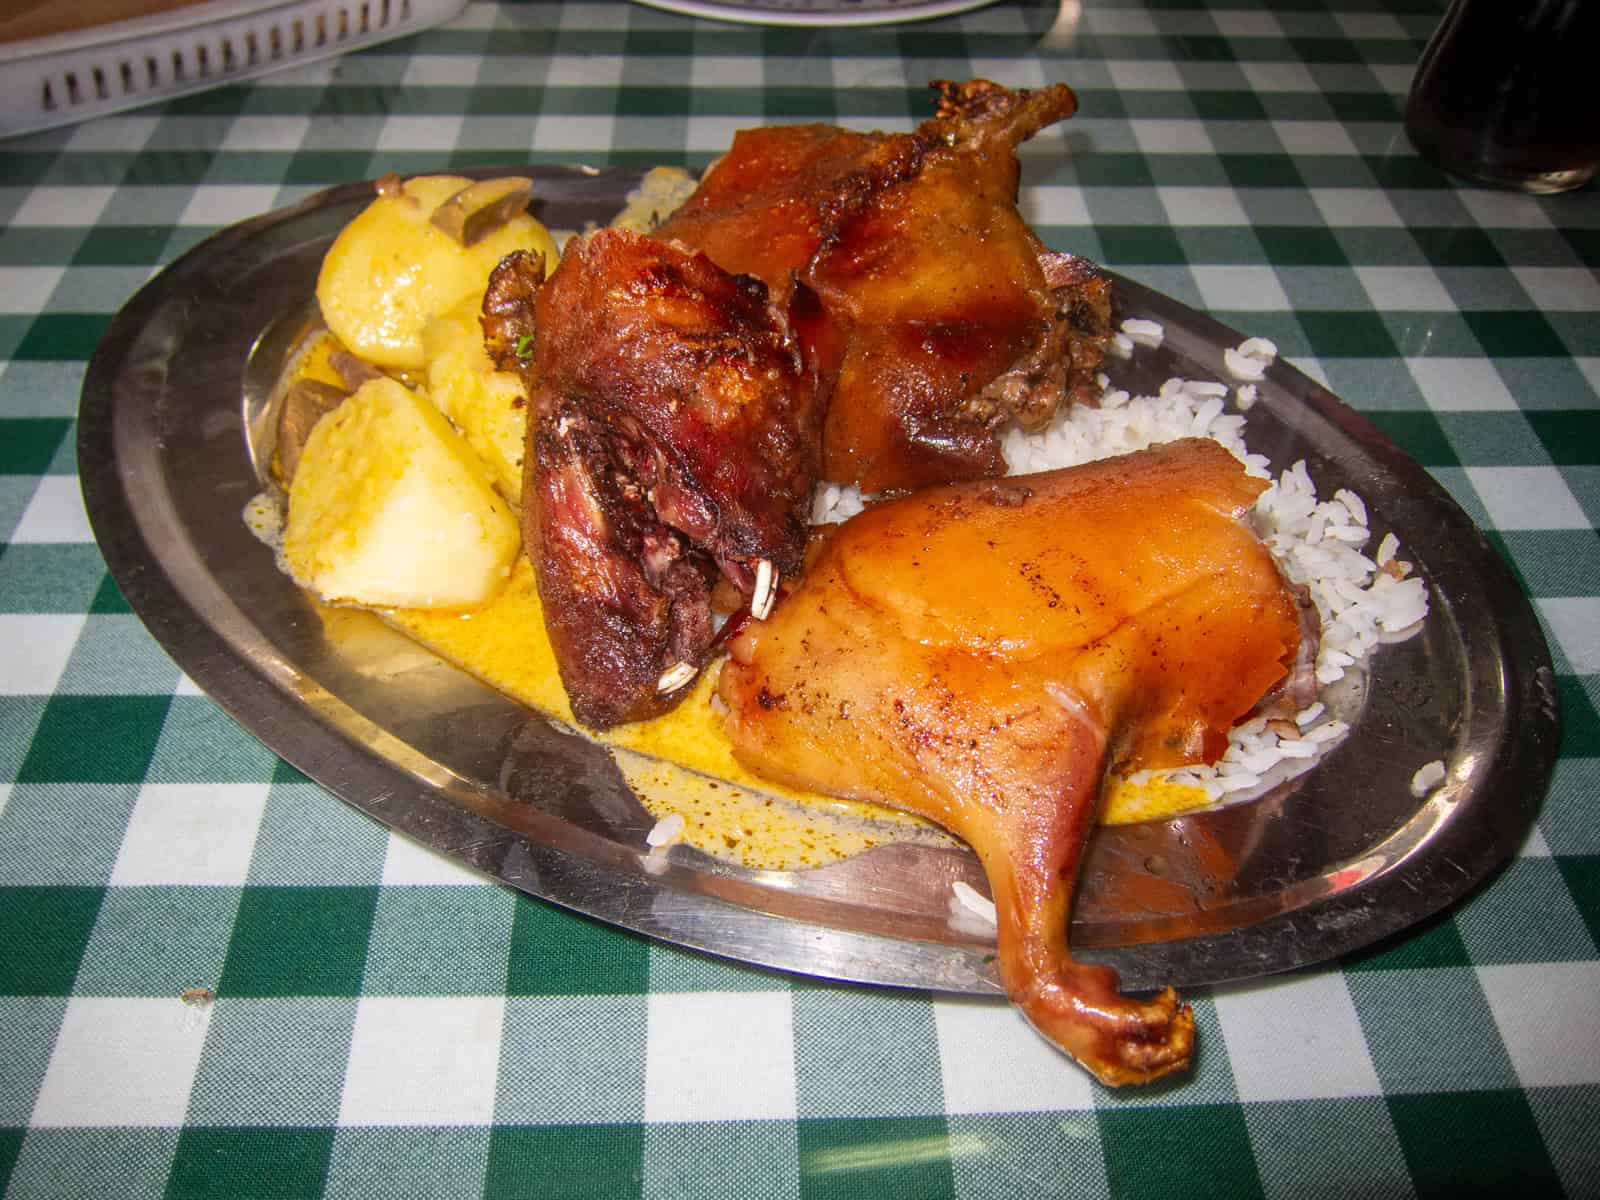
386	1025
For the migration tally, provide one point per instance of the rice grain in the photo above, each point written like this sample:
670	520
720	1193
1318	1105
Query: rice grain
1319	544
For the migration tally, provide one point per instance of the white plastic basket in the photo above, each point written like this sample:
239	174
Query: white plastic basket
70	77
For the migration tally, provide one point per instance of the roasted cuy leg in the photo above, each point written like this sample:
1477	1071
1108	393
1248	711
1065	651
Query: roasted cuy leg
983	653
670	438
939	315
929	312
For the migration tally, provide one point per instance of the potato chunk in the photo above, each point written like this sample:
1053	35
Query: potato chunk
391	270
390	507
488	406
660	193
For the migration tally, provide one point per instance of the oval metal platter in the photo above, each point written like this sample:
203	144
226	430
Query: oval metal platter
172	429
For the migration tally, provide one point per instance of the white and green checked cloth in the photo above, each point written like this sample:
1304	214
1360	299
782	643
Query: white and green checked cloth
388	1026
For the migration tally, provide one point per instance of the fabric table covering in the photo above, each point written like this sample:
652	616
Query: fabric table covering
387	1025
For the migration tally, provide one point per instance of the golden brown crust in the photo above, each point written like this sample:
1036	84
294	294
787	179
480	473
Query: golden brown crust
926	308
980	653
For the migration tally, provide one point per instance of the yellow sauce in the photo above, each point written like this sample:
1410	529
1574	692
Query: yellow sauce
678	763
682	763
316	360
1149	799
759	829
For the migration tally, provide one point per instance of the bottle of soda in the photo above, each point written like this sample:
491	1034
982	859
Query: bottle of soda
1504	94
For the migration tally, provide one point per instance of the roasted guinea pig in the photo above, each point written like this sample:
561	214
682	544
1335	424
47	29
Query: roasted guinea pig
983	653
670	437
928	311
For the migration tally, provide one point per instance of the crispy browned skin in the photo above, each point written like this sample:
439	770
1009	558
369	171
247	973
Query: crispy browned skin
782	190
980	653
929	312
670	437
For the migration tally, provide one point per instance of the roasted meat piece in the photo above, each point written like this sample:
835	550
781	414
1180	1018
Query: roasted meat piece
983	653
670	437
929	312
767	205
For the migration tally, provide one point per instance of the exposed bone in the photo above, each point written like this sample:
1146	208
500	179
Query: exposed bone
765	591
480	208
674	677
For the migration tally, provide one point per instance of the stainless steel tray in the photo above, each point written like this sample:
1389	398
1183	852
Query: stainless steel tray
172	409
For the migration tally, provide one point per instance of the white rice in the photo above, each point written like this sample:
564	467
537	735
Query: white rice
835	502
974	901
1428	777
1250	359
664	832
970	911
1362	601
1145	333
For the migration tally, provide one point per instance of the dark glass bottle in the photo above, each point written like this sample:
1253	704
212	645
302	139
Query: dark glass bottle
1506	93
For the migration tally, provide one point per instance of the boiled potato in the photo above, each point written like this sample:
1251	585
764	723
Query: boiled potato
392	270
390	507
660	193
487	405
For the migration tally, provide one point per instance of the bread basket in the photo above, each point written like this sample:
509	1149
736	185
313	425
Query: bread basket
105	60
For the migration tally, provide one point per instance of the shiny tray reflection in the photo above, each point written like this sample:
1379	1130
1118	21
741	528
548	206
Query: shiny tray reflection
173	410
